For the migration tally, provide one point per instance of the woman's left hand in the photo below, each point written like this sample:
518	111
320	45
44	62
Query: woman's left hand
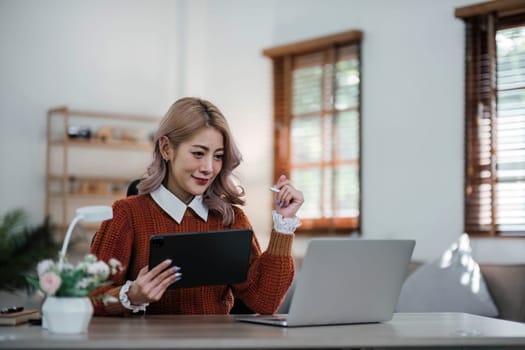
289	199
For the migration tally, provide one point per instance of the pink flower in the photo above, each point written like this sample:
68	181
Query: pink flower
50	282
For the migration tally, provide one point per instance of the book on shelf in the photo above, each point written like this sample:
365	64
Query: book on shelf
15	318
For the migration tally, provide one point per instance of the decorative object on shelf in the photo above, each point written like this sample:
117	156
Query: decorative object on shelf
134	135
77	132
105	134
67	308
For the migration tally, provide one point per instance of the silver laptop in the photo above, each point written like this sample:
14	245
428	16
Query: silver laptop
344	281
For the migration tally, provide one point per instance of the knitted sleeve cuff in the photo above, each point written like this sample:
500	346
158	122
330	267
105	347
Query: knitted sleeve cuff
280	244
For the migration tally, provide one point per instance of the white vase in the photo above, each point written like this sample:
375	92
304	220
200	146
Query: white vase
67	315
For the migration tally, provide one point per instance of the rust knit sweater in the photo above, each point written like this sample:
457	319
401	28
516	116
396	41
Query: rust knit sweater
126	238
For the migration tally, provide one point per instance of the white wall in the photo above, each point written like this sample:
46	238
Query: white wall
116	56
138	56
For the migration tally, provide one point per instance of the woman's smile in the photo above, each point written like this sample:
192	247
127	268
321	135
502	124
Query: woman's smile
201	181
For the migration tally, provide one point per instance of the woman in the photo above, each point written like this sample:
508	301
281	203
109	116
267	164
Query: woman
189	187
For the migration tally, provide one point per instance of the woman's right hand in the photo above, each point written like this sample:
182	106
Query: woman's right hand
289	199
151	285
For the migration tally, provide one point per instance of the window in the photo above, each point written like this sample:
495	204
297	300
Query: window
317	100
495	118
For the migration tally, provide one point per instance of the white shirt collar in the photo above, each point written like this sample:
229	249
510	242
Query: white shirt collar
176	208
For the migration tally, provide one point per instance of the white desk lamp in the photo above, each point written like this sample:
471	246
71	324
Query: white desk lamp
88	214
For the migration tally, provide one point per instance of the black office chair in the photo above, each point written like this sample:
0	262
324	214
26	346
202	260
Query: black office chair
132	188
239	307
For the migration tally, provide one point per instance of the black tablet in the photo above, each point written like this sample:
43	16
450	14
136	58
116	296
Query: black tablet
205	258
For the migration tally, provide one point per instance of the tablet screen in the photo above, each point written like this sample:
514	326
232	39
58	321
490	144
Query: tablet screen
205	258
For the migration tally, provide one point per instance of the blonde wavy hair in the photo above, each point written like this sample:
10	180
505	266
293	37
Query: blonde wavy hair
183	119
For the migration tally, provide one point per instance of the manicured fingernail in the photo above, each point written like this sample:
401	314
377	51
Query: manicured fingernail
168	261
177	279
178	274
175	268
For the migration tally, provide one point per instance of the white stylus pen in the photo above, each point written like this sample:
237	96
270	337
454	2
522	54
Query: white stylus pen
275	189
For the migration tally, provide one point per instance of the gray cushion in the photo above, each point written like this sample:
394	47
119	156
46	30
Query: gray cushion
506	284
452	283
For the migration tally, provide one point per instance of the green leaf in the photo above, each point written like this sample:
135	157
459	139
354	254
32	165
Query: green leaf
22	246
34	282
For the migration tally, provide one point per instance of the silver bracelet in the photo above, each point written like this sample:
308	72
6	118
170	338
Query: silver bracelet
285	225
124	300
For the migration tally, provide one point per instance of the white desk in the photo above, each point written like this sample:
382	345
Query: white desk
426	330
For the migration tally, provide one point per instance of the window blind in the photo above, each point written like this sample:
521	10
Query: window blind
495	124
325	131
317	127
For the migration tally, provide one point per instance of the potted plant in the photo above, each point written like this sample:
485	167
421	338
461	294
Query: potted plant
22	246
67	308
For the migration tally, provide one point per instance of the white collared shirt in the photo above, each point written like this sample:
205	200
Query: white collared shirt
176	208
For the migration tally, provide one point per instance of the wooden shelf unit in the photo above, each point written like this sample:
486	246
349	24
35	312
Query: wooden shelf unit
96	167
